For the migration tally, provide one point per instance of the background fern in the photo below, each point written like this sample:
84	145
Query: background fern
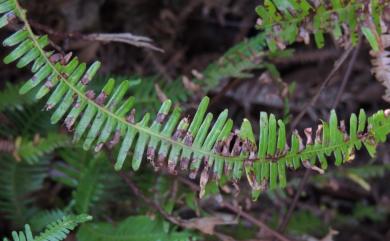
17	184
45	217
54	231
285	22
92	180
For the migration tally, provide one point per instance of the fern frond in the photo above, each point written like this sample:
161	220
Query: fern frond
171	141
54	232
17	182
238	62
285	22
32	151
370	171
26	122
92	180
140	228
43	218
59	230
90	187
11	99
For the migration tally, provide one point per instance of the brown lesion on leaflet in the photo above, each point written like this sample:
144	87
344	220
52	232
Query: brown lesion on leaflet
85	80
343	130
90	94
59	57
194	171
131	117
150	155
184	162
188	141
319	134
161	118
69	123
101	98
49	84
10	17
235	150
308	133
180	133
171	165
115	139
151	152
161	158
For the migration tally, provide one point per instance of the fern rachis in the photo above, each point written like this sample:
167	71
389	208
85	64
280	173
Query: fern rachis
215	146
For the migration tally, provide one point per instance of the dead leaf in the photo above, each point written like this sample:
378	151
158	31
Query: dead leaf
160	94
330	235
207	225
189	85
197	74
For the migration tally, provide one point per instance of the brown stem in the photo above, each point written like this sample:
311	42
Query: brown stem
351	64
287	217
127	38
154	205
255	221
336	67
240	212
302	184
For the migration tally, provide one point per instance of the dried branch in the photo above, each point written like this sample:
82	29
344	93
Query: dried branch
306	176
127	38
240	212
336	67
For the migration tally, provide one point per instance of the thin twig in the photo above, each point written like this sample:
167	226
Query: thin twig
287	216
336	67
351	64
154	205
306	176
175	220
239	212
255	221
127	38
161	69
187	224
